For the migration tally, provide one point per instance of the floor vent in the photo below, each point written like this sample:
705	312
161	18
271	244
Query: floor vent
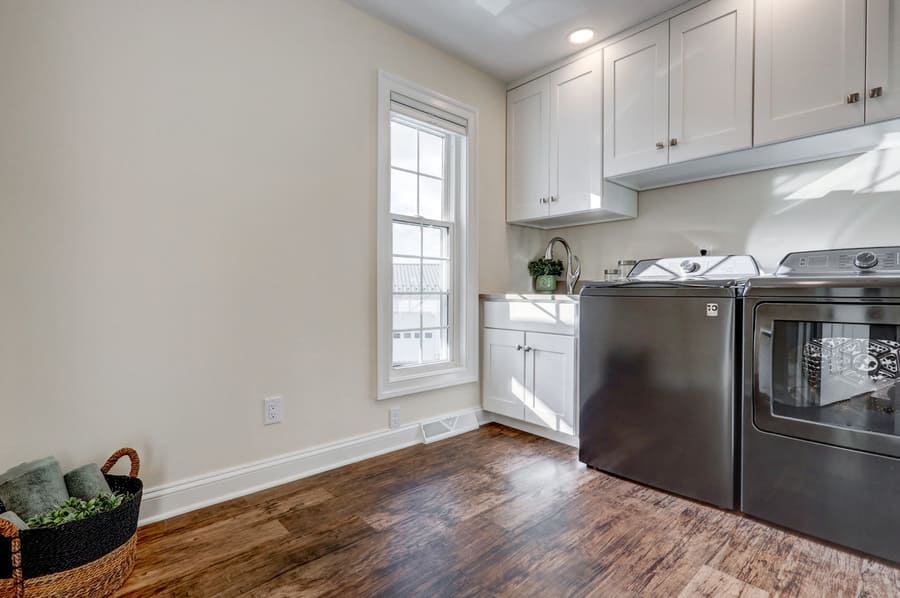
449	426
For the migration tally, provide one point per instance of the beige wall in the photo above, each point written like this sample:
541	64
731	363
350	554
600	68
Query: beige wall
845	202
187	225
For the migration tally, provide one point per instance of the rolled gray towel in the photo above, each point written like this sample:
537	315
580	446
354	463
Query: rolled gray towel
33	488
87	482
14	519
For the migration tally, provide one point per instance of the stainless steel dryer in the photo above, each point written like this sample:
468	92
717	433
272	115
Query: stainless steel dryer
658	357
821	424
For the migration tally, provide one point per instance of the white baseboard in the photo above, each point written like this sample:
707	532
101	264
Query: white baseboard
188	495
532	429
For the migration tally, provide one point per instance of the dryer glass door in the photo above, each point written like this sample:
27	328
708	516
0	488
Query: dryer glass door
829	373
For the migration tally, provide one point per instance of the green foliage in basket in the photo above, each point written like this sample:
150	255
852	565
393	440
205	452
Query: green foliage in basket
544	267
76	509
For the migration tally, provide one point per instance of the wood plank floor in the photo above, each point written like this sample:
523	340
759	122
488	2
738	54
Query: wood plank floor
495	512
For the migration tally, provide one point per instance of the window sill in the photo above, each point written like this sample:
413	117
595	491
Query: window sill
425	382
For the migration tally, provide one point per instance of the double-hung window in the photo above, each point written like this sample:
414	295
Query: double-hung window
427	266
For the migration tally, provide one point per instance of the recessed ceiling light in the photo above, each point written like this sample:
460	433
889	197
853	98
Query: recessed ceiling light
581	36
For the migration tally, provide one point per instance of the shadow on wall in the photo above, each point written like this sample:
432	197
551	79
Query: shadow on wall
843	202
855	204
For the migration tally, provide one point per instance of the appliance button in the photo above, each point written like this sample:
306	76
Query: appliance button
865	260
689	266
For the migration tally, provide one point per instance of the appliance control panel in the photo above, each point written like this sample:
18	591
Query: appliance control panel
874	260
709	267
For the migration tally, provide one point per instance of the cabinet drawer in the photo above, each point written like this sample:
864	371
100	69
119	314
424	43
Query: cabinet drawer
554	317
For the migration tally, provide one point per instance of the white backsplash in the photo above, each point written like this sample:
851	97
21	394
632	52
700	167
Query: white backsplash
844	202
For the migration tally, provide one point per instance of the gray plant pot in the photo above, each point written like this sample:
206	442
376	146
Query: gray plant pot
545	283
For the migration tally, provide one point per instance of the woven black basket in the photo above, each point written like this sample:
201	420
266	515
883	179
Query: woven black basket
53	550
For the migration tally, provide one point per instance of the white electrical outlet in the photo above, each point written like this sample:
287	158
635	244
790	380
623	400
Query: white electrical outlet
394	417
273	410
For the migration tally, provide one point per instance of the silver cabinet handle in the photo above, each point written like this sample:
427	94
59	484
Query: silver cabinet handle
660	145
527	348
876	92
518	347
553	198
542	200
852	98
673	142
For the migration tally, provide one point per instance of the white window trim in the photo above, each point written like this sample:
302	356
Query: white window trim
392	383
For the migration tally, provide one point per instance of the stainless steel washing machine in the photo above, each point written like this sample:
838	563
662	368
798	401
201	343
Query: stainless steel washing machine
658	362
821	399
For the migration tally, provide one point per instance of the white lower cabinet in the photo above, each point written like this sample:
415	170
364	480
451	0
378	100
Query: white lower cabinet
550	381
530	376
503	375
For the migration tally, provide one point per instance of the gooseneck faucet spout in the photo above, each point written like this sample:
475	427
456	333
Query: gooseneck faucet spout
572	273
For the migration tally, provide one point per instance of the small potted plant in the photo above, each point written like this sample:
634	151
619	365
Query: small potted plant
545	272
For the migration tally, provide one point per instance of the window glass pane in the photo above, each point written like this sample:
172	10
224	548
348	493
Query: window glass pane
406	351
407	239
435	276
406	276
434	310
431	154
403	193
407	312
435	347
434	241
403	146
431	200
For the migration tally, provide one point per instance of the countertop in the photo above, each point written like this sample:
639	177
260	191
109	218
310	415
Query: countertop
530	296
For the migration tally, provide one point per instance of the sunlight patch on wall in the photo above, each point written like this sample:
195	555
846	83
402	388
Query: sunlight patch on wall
876	171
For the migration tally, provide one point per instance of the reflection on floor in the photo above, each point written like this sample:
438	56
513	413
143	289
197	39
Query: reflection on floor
492	512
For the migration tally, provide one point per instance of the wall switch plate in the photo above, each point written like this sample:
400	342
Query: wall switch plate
273	410
394	417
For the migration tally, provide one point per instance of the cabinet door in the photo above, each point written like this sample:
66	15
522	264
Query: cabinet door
810	60
550	381
576	136
883	60
528	147
503	372
636	102
711	80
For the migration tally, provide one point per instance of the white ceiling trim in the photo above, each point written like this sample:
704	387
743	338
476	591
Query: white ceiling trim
509	39
597	47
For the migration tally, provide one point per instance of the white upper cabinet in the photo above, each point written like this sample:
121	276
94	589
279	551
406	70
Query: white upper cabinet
576	136
882	60
528	157
711	80
636	101
810	67
555	151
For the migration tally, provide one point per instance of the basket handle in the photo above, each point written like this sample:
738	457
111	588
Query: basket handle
8	530
122	452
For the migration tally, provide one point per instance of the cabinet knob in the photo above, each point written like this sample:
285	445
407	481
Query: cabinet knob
527	348
518	347
542	200
876	92
553	198
660	145
673	142
852	98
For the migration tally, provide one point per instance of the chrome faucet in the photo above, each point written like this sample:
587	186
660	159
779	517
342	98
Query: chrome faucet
572	274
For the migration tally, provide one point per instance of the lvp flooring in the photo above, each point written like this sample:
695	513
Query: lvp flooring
495	512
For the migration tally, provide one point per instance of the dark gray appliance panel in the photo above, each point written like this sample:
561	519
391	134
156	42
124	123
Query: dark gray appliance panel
841	495
657	392
829	372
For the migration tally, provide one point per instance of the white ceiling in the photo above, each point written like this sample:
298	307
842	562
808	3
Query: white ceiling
511	38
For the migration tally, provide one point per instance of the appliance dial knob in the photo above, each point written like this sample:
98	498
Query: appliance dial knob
689	266
865	260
